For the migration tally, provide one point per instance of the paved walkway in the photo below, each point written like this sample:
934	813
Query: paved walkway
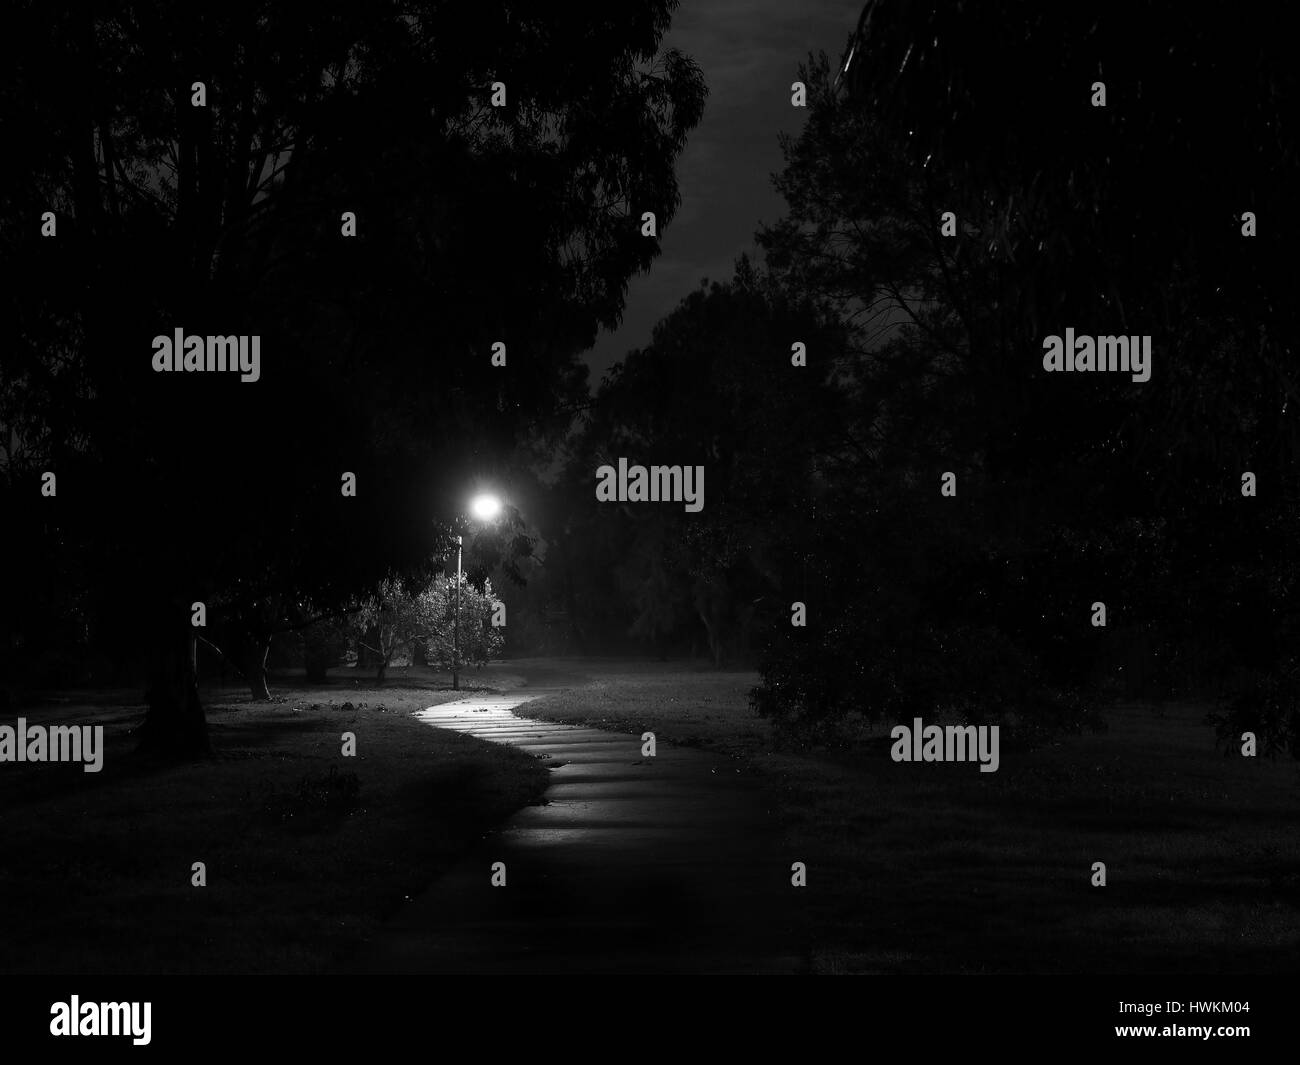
634	865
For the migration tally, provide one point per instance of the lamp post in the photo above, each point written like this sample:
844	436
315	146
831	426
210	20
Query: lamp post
455	626
483	507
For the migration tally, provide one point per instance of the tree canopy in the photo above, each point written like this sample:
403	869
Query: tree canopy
474	225
1107	170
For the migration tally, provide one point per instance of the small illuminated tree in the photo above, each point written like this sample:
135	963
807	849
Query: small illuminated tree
395	620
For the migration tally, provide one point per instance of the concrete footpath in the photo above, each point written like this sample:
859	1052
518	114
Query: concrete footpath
633	865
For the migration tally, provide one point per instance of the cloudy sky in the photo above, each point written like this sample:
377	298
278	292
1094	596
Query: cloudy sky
750	51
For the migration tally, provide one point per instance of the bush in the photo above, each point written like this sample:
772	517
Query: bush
972	675
324	646
1266	703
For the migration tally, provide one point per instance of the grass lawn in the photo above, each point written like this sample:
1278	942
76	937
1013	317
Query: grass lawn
940	868
306	851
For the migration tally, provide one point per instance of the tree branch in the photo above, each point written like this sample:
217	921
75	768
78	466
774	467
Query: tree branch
239	672
318	617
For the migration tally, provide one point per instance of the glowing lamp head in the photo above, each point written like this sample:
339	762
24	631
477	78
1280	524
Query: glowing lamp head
485	507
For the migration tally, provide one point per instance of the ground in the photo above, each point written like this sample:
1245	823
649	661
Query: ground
911	868
939	868
306	851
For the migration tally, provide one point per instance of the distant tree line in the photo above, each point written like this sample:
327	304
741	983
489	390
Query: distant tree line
944	217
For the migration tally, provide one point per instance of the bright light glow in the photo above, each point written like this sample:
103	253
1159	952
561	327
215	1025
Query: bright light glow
485	507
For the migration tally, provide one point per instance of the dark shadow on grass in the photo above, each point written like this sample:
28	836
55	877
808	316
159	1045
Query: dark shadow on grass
230	738
30	785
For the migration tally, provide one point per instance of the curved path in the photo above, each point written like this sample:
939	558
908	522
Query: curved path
664	864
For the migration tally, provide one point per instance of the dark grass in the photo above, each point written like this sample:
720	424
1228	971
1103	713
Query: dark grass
939	868
307	852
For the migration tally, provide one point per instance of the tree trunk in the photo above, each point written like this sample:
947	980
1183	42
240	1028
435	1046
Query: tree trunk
175	725
365	656
715	638
255	669
383	668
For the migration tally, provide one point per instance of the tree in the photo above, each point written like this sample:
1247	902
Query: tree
324	646
474	225
393	620
396	619
717	387
1122	219
475	641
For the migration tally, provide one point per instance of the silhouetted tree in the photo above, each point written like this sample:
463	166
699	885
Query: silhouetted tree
474	224
1123	219
716	387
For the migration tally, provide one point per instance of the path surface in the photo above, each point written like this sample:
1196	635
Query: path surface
633	865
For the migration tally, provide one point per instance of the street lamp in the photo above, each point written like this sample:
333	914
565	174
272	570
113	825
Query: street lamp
484	508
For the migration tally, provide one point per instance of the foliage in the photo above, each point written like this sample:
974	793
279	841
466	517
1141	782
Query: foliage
395	619
224	220
713	389
1070	488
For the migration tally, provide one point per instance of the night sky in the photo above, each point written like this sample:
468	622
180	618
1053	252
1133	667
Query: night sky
750	51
